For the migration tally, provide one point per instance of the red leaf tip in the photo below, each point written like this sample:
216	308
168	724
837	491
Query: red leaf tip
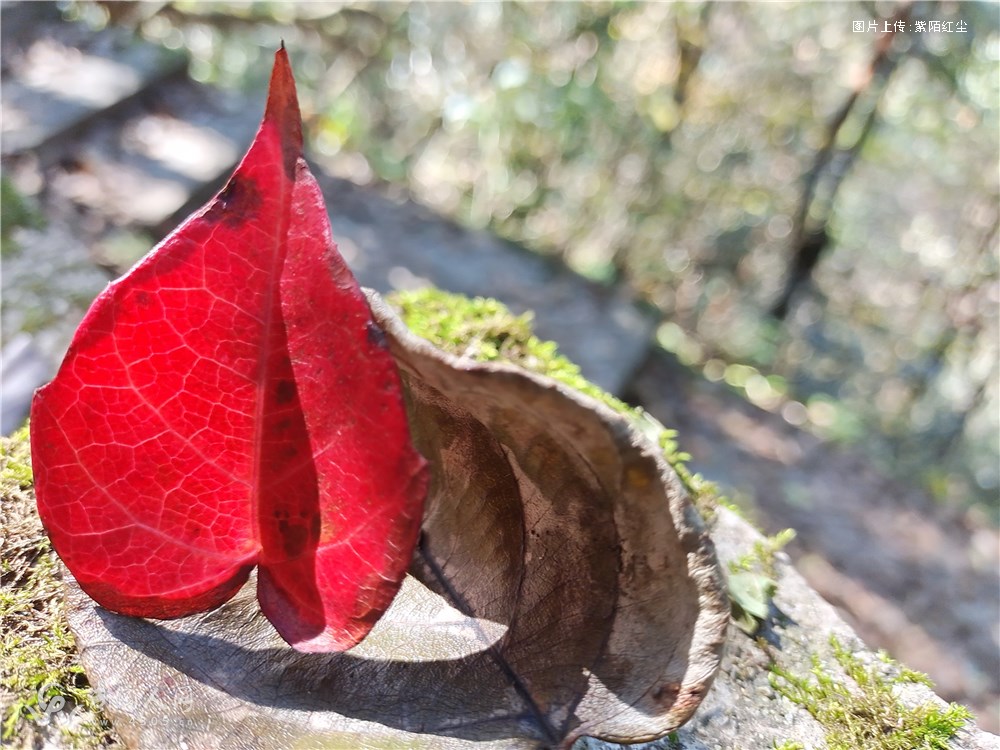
283	110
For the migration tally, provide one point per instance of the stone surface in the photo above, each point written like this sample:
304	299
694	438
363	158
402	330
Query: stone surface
741	711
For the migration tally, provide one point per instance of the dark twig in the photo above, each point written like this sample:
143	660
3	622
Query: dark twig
810	234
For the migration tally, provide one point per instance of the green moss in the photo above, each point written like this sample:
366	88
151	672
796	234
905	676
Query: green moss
789	745
38	659
864	712
485	330
762	556
905	673
753	581
15	462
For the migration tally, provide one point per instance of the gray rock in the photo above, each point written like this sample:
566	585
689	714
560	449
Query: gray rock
741	711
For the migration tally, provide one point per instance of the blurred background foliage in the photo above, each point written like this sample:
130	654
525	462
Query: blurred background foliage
812	210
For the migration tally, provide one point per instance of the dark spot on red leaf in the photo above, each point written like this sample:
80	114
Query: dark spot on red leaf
376	336
284	392
296	537
237	202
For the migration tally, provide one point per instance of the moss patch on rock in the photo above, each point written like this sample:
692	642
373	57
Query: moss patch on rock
863	711
485	330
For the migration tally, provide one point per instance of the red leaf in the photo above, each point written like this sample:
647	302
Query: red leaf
230	402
